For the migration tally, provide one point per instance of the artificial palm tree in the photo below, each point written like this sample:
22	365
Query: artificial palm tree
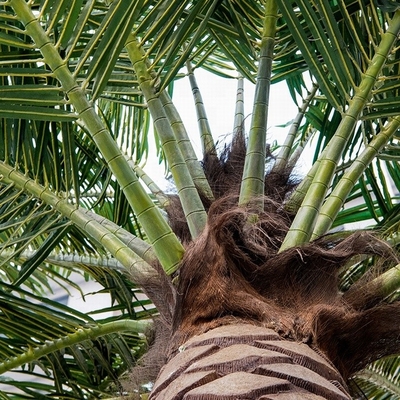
259	291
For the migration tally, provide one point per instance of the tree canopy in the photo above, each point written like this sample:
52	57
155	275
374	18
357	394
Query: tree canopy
84	83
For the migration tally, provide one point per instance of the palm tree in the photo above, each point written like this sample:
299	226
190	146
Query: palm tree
258	289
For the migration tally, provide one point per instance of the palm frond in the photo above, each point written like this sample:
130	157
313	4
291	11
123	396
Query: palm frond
380	380
78	82
70	349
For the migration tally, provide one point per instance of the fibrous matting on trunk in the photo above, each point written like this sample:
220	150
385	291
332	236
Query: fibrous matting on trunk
234	273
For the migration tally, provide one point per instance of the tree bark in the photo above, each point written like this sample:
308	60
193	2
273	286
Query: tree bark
243	361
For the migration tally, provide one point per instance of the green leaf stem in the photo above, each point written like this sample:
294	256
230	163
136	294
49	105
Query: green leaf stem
157	230
82	334
191	203
307	215
254	169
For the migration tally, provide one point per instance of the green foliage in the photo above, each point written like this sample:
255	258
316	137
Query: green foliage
78	82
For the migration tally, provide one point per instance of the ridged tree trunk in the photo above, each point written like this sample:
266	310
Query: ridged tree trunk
244	361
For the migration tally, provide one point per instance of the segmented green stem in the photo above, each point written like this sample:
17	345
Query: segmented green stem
300	147
238	125
138	268
79	336
336	199
190	199
282	158
207	141
185	144
306	217
388	282
157	230
67	260
151	185
252	187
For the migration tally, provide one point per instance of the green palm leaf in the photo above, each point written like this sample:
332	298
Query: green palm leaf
78	82
66	340
380	380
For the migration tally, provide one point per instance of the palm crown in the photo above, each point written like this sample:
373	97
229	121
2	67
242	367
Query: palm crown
79	81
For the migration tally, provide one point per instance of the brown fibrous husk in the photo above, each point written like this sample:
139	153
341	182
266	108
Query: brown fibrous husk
233	272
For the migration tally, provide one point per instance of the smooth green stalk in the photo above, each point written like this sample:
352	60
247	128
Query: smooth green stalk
305	220
192	206
252	187
206	138
157	230
138	268
185	144
336	199
238	124
282	160
82	334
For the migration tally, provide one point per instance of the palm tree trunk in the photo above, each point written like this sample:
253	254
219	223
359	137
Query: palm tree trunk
243	361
